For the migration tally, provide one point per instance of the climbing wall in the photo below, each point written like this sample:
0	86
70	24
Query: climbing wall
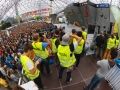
82	14
68	13
92	11
73	14
103	18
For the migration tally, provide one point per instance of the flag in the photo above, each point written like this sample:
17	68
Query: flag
116	13
115	29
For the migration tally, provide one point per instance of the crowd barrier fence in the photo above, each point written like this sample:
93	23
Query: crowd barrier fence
113	78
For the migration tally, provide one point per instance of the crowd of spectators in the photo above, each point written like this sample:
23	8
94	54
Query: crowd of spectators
11	46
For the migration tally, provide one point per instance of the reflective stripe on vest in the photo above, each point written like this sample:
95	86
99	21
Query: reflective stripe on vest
39	51
54	49
79	48
24	60
116	44
66	60
110	43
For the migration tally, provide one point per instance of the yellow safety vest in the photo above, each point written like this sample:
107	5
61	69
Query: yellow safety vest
116	44
24	60
66	60
79	48
110	43
115	37
84	34
54	48
37	47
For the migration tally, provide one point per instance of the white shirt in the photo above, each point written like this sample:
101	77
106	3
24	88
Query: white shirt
75	44
29	65
3	71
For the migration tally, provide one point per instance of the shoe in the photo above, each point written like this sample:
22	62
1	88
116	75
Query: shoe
50	73
70	80
84	87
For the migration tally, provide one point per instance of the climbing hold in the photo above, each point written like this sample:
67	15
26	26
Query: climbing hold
101	15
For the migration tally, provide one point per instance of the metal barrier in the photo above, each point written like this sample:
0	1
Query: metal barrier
23	79
113	78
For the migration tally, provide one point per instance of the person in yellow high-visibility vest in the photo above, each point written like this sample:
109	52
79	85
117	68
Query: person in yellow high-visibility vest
116	41
55	44
110	45
29	66
66	55
41	51
84	34
74	33
79	49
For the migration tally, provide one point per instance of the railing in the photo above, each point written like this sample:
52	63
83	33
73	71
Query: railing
23	79
113	78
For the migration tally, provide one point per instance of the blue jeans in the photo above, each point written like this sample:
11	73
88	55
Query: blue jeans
61	72
94	82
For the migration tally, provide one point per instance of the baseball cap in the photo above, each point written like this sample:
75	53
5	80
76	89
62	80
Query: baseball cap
65	39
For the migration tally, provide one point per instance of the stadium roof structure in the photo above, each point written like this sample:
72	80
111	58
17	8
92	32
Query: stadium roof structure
7	7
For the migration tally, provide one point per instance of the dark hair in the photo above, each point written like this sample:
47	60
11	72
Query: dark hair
27	46
112	36
35	36
83	28
79	33
73	31
57	32
113	53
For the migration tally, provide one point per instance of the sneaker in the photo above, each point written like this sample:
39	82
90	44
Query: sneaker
70	80
84	87
50	73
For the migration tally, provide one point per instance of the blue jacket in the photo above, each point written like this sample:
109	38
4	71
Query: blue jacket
118	62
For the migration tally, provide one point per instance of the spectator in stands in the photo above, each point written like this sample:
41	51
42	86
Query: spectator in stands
3	71
4	83
13	76
105	66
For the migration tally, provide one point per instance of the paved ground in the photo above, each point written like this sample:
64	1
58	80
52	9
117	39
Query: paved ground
81	76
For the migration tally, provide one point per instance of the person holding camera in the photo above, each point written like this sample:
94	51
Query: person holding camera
41	51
